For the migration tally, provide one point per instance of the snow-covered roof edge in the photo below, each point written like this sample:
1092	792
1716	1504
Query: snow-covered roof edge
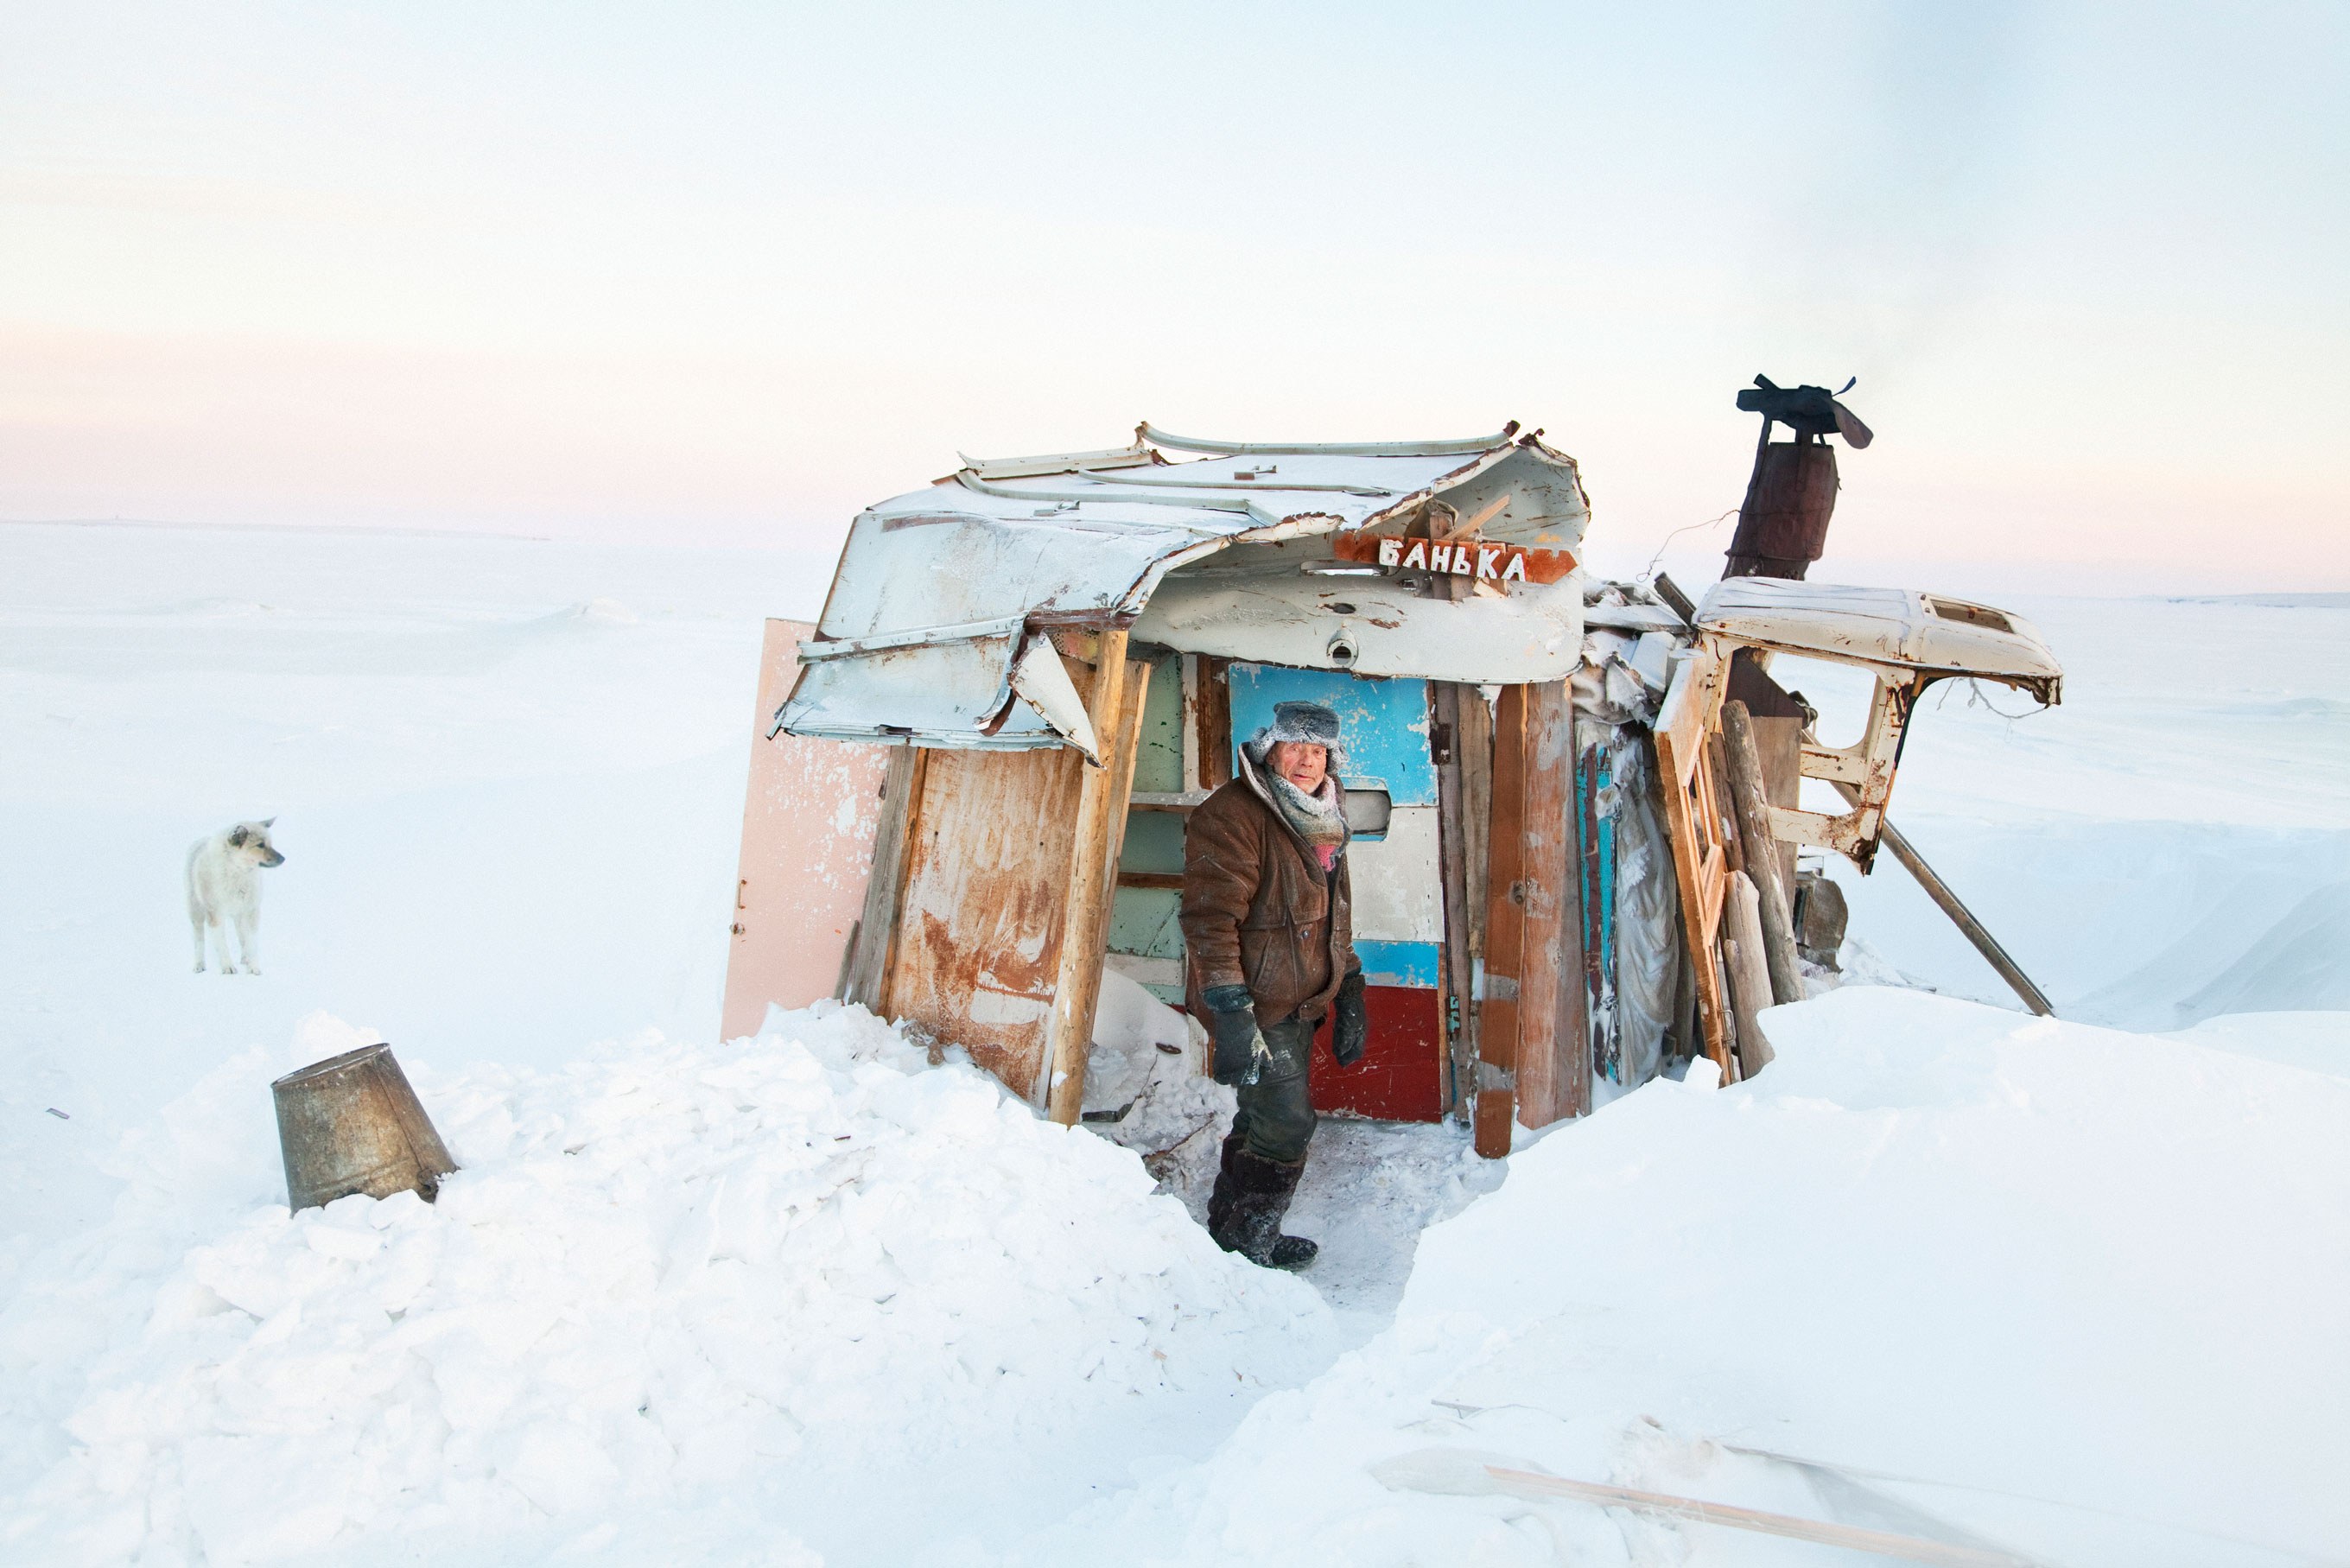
942	593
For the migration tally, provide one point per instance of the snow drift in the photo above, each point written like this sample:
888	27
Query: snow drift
668	1276
2086	1284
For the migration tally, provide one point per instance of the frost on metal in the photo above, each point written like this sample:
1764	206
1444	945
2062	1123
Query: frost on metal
935	629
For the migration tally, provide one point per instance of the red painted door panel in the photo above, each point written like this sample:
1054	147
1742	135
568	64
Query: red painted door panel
1400	1077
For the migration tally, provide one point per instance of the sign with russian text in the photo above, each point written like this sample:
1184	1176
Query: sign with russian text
1481	560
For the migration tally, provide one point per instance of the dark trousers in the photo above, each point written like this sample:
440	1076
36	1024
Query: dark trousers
1276	1113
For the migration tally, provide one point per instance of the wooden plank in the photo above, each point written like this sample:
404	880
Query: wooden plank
1554	1065
1779	743
1120	688
1719	822
1750	976
1455	1000
1753	812
1477	807
1674	1511
1167	881
810	817
1498	1019
1190	722
977	951
866	972
1212	715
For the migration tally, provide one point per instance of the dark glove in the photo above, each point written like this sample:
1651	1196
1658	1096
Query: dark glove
1352	1029
1231	1021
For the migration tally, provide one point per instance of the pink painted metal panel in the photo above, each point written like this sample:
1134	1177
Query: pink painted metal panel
808	820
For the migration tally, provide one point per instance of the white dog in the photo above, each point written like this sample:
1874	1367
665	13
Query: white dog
225	889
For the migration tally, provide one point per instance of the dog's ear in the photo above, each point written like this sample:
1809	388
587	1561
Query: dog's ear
268	822
236	836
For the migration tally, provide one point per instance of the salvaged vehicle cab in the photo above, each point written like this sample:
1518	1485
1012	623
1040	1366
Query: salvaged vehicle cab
970	791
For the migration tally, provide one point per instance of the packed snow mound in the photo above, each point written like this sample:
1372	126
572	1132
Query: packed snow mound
667	1276
2317	1040
2296	965
2083	1288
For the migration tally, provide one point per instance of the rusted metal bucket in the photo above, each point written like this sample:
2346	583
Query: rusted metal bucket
351	1124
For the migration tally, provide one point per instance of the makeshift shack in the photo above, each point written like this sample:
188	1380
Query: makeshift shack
971	790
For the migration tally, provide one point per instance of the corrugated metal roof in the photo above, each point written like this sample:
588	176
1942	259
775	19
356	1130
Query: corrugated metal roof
942	591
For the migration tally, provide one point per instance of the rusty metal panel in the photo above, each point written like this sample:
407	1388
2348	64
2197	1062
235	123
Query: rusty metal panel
979	927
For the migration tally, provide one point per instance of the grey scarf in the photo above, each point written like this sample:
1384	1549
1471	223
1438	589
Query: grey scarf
1320	818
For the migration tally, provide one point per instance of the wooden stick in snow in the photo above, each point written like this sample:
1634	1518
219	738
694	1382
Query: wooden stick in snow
1960	916
1664	1505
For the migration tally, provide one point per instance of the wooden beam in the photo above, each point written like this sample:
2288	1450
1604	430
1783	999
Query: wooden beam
1673	1510
1553	1057
1165	881
1751	805
1187	722
867	967
1498	1018
1446	701
1477	807
1974	930
1115	708
1213	716
1750	977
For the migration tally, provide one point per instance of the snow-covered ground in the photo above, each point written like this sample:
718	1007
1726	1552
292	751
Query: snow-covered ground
1942	1269
812	1298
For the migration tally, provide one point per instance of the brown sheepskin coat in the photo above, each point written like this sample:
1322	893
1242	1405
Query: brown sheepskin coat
1258	908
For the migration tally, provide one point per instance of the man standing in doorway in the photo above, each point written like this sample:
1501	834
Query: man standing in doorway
1268	925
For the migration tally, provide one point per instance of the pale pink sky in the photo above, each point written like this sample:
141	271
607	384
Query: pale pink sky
722	274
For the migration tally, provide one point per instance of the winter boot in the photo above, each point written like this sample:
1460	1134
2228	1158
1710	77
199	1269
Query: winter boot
1245	1212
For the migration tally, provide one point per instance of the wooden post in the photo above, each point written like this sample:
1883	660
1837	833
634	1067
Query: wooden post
1753	806
1464	781
1445	702
1497	1017
1476	748
867	965
1212	714
1553	1058
1115	709
1960	916
352	1124
1750	977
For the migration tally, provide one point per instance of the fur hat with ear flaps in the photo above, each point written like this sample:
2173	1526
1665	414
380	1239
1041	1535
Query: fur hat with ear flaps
1308	722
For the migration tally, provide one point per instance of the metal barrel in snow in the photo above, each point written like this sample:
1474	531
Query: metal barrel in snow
352	1124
